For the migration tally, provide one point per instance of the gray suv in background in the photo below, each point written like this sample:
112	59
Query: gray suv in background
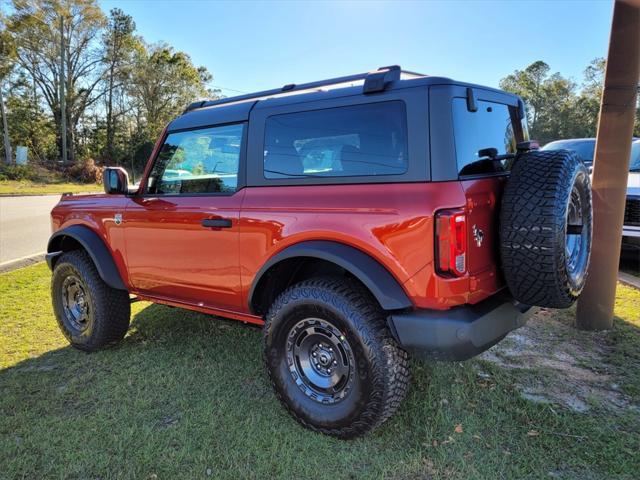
584	148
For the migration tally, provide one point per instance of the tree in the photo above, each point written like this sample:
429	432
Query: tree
550	101
554	108
528	84
119	44
588	102
164	82
35	32
7	61
29	125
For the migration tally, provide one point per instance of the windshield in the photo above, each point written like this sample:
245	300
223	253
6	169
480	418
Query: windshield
583	148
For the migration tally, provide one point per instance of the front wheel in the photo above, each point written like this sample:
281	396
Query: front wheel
90	314
331	359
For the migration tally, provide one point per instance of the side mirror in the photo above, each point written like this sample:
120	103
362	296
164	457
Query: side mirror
115	180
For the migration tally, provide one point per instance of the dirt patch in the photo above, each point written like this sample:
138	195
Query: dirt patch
560	365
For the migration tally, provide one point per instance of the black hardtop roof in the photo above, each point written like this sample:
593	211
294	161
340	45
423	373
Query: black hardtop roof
237	109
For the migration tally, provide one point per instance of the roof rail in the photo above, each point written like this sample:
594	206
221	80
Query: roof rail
375	81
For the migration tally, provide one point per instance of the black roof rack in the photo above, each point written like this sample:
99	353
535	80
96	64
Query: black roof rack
375	81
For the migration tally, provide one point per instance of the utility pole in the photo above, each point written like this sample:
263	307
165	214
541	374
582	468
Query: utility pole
63	103
5	129
611	166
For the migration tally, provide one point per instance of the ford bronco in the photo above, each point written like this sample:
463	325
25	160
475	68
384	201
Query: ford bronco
356	219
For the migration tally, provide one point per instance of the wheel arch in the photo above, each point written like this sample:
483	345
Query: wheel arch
370	272
79	236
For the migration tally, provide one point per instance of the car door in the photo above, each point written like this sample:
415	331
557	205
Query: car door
181	234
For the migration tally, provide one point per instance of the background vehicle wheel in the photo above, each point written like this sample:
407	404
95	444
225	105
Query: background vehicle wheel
545	228
331	359
90	314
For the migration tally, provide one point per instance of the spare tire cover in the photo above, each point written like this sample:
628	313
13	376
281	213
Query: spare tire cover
545	228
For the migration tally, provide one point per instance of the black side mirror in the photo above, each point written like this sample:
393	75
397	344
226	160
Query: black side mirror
115	180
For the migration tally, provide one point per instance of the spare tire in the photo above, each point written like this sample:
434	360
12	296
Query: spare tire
545	228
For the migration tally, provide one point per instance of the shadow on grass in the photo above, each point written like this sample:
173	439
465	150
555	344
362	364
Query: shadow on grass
185	394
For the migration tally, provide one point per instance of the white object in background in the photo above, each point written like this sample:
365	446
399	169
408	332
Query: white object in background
22	155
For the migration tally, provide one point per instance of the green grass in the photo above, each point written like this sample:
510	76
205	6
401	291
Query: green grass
185	396
28	187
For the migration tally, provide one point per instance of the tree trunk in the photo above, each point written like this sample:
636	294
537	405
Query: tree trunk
110	123
5	128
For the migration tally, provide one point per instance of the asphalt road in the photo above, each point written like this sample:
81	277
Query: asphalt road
24	225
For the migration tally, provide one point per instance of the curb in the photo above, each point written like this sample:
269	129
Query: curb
21	262
629	280
9	195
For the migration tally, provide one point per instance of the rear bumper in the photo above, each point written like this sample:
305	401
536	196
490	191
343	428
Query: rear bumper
461	332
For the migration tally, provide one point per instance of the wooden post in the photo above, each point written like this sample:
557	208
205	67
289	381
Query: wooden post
611	166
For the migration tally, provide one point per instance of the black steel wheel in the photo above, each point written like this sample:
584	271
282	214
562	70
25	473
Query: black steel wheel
320	360
90	314
331	359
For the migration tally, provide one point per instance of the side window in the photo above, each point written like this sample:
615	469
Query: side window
359	140
198	161
475	133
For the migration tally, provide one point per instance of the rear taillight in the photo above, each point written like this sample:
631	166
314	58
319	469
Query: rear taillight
451	242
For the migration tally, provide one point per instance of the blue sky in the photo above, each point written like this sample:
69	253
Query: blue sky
251	46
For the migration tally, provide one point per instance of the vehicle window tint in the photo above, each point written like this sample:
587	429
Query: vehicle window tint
358	140
475	133
634	163
198	161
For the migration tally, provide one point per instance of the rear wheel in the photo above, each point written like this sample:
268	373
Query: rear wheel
331	359
90	314
545	228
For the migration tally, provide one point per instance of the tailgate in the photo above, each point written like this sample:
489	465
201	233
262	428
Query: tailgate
483	259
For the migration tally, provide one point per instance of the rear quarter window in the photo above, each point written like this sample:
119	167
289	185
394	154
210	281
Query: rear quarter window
351	141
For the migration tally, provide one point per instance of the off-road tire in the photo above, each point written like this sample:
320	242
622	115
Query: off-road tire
381	367
108	309
537	265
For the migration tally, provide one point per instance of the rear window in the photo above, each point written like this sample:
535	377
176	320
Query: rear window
490	127
359	140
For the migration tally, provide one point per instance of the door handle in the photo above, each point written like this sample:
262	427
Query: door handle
216	222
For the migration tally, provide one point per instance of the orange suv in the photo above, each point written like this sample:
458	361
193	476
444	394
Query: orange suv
355	219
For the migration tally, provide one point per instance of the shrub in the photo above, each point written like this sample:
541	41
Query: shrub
17	172
86	171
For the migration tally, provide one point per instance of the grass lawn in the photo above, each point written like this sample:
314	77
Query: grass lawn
28	187
185	396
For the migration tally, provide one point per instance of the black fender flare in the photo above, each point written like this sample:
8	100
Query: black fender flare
94	246
384	287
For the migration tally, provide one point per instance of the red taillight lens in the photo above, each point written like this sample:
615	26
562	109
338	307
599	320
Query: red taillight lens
451	242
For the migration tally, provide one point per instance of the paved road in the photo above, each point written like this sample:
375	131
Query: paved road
24	225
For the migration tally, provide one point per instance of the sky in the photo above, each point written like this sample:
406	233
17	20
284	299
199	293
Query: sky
250	46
